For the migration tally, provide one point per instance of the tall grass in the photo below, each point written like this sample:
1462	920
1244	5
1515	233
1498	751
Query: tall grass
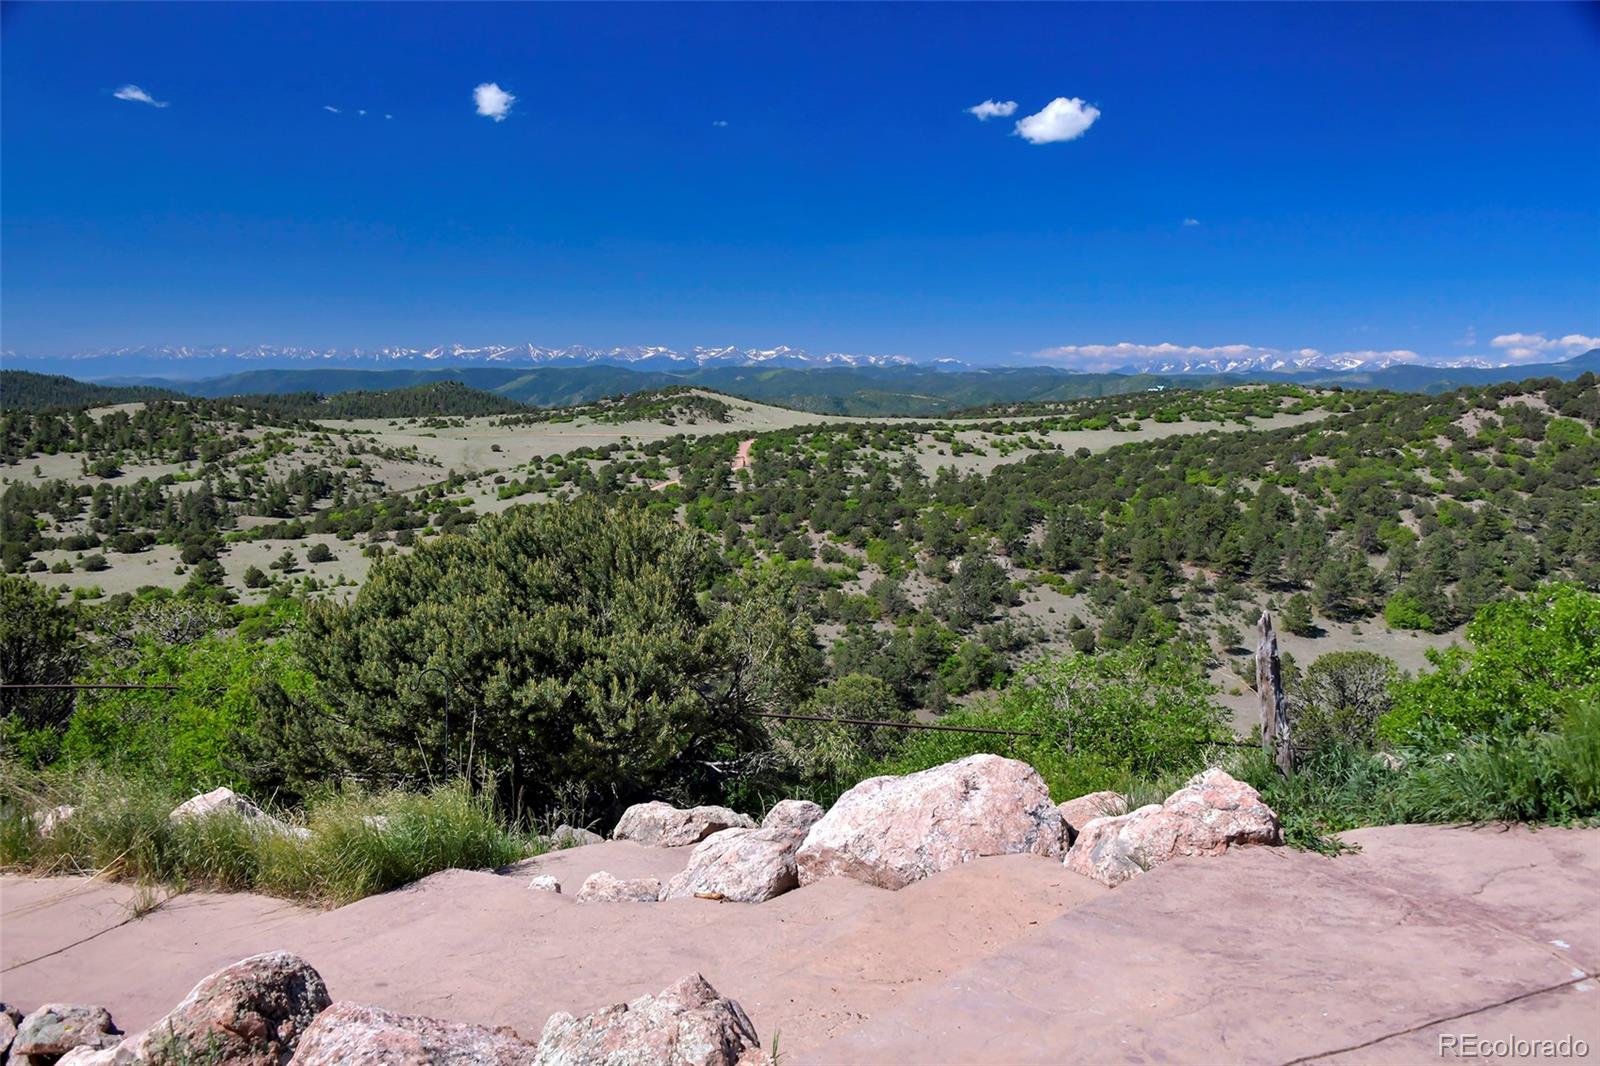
1549	777
350	844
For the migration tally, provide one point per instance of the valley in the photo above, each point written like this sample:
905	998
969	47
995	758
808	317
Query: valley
939	556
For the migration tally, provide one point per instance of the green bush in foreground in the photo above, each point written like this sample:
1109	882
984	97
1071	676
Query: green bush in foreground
355	845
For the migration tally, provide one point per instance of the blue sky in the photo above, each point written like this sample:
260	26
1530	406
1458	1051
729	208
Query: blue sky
1399	177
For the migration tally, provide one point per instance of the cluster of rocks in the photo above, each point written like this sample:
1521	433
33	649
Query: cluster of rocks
893	831
1210	814
274	1009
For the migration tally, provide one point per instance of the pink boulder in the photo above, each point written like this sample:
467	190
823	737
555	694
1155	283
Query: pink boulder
8	1028
348	1034
798	815
604	887
1210	814
252	1013
1077	813
742	865
661	825
217	801
891	831
58	1028
688	1024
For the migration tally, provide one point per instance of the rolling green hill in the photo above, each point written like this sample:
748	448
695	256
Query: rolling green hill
22	390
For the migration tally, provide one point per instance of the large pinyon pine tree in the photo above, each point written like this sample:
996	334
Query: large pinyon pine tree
577	642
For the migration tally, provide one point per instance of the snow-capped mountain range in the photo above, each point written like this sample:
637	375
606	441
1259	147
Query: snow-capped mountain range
1292	362
187	360
532	355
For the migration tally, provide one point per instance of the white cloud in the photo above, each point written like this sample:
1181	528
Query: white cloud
1114	356
720	122
493	101
361	112
1191	222
330	107
993	109
1060	120
1536	347
138	96
388	116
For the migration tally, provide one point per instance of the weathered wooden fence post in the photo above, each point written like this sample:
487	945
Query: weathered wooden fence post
1275	737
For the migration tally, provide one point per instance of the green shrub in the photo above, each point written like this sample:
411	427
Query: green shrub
1403	611
1528	657
1102	720
188	738
362	845
1551	776
38	646
829	752
1576	753
1339	699
1331	790
1297	616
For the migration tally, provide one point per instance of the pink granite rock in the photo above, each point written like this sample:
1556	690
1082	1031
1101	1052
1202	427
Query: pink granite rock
742	865
9	1018
217	801
799	815
604	887
57	1028
252	1013
688	1024
661	825
891	831
348	1034
1077	813
1210	814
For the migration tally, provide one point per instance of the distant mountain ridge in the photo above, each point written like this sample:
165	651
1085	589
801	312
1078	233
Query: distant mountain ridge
1296	362
917	390
151	358
216	360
